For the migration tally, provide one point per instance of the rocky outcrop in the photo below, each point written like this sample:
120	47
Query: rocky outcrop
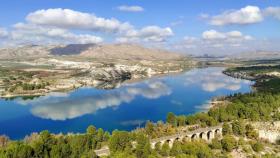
240	74
269	130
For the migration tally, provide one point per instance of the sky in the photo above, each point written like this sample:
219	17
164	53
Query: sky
189	26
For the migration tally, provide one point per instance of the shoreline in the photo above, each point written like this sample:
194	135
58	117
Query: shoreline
81	84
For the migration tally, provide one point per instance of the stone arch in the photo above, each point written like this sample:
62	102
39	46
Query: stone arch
201	135
210	135
217	131
168	141
177	139
194	136
156	144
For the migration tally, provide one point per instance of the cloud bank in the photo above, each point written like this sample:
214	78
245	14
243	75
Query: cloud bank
216	43
244	16
57	25
247	15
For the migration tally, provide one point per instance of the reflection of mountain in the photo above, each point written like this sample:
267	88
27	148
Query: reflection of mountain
212	79
69	107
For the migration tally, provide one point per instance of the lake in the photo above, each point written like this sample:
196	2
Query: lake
124	108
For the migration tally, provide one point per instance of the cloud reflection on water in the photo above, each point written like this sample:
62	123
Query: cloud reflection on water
213	80
63	106
60	106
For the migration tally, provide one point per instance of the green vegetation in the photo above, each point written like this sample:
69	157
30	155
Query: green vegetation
48	145
229	143
257	146
28	87
18	81
255	70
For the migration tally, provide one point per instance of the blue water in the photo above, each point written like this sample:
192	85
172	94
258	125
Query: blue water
123	108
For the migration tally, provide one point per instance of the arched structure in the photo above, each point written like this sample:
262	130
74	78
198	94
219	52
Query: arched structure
203	133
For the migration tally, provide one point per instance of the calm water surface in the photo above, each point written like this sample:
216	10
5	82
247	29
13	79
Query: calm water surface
123	108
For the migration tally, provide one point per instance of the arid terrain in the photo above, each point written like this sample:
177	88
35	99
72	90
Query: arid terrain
37	70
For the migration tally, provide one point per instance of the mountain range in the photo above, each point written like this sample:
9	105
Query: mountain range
104	51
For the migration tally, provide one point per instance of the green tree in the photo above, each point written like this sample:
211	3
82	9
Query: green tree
229	143
238	128
215	144
165	149
143	148
257	146
171	119
91	130
100	135
226	129
149	128
251	132
158	147
198	149
19	150
42	147
181	120
176	149
119	141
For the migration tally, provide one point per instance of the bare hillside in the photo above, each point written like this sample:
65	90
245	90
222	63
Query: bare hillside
105	51
258	55
125	51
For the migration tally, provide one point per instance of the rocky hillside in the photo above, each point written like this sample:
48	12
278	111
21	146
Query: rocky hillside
105	51
29	51
258	55
130	52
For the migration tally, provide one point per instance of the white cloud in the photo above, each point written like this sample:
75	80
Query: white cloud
31	33
147	34
3	32
70	19
213	42
57	26
272	11
229	36
246	15
153	91
130	8
213	34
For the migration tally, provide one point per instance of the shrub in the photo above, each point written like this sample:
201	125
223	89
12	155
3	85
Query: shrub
257	147
229	143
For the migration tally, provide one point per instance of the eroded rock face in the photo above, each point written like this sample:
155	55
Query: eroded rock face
271	136
269	130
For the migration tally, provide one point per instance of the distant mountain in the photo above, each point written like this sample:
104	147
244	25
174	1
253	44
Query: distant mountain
106	51
258	55
22	52
71	49
127	51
